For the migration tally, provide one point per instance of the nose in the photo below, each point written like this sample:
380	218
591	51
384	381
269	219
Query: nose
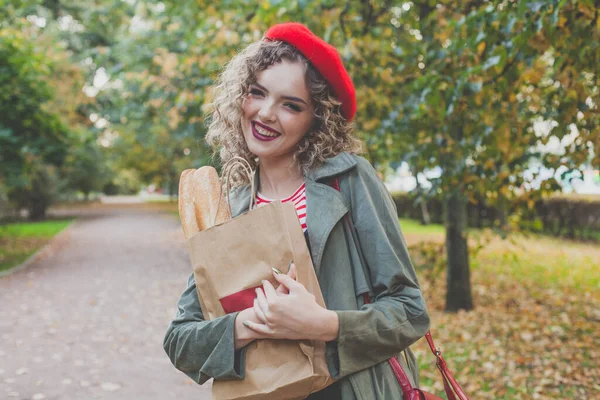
267	112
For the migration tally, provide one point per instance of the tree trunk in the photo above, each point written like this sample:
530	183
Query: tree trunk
37	211
458	295
172	185
425	218
503	212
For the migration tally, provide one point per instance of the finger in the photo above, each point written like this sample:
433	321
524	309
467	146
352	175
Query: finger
262	301
259	313
281	290
270	292
259	328
289	283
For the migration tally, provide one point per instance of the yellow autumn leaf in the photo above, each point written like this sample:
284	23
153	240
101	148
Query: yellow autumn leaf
480	48
370	124
562	20
532	76
489	164
386	75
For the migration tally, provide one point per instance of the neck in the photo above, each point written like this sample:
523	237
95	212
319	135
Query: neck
279	179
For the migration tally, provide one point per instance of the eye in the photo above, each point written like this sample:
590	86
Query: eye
256	92
293	106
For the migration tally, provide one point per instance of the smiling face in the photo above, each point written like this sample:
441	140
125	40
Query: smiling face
277	111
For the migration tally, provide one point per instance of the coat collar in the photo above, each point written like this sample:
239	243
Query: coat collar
332	167
240	196
326	206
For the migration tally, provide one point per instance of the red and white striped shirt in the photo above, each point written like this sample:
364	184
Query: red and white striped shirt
299	200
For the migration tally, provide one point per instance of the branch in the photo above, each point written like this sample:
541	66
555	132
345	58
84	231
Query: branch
372	16
367	18
342	25
506	67
384	9
472	4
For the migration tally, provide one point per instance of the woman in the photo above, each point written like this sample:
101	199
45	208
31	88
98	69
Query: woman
290	118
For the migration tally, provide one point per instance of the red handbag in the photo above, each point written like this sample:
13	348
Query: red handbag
451	386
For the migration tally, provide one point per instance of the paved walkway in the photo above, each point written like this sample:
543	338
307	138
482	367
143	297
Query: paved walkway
87	321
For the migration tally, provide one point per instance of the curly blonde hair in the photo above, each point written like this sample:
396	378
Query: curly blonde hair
330	135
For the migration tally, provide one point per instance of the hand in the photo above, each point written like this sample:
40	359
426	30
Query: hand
244	335
295	315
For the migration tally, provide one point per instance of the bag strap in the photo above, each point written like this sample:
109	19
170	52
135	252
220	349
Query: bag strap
449	380
451	385
228	168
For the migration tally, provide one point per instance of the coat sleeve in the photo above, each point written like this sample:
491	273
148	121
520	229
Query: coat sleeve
397	316
199	348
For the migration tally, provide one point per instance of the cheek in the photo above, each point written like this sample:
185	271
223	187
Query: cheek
308	124
247	107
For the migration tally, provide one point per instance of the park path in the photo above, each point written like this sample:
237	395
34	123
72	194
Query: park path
87	320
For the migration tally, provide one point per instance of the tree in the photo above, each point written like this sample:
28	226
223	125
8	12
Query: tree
31	136
484	72
84	168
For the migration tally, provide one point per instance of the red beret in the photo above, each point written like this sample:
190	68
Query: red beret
323	56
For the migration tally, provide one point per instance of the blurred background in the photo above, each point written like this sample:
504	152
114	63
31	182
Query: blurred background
481	116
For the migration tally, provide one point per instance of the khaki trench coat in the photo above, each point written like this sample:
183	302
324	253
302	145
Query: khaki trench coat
369	334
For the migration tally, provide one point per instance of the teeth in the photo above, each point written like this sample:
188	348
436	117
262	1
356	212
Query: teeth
264	132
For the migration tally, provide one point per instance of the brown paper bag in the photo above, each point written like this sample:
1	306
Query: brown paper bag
229	261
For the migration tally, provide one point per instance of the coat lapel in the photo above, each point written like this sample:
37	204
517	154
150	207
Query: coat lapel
325	206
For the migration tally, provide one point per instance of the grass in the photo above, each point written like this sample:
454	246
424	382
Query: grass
160	201
413	227
529	257
20	240
534	328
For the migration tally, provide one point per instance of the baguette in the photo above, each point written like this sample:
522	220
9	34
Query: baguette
201	203
185	204
209	203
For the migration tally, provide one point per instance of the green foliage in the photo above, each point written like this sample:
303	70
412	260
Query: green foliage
484	73
84	168
33	139
127	181
570	217
27	128
46	145
38	189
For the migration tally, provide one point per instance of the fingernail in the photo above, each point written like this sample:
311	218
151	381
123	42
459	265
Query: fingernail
290	264
263	281
276	270
246	324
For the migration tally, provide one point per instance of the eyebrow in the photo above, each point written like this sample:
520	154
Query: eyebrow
292	98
